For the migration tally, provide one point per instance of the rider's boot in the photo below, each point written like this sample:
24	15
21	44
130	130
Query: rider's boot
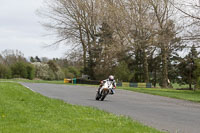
98	90
112	91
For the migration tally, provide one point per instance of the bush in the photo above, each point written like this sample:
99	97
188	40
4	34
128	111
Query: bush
122	72
42	71
53	66
30	71
19	70
5	72
23	70
197	74
45	72
56	70
74	71
68	74
59	75
51	75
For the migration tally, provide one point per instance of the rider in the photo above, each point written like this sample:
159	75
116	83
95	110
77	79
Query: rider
110	79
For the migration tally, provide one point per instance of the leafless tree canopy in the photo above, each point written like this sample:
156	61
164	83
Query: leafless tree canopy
190	16
103	30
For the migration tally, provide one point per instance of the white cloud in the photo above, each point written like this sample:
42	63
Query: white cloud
20	29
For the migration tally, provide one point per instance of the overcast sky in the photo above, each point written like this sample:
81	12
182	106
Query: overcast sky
20	29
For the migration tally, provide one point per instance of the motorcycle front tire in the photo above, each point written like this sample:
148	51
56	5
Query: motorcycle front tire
98	96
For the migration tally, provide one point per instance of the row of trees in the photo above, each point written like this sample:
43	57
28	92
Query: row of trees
13	64
183	70
141	37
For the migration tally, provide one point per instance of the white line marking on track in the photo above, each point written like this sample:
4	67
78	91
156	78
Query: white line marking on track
29	88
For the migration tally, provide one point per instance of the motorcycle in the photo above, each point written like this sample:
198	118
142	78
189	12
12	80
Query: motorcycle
104	90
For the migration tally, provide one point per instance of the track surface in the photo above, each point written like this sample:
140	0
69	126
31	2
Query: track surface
165	114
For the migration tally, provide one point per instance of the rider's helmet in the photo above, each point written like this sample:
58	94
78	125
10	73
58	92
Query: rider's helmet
111	78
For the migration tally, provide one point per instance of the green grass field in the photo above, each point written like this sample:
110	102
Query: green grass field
33	81
23	111
172	93
177	86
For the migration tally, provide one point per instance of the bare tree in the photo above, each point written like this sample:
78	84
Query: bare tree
141	30
166	33
104	28
65	21
188	8
190	14
133	27
10	57
74	20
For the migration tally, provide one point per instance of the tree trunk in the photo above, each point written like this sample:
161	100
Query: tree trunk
84	59
190	86
84	50
90	65
146	69
140	65
155	77
91	72
164	68
190	79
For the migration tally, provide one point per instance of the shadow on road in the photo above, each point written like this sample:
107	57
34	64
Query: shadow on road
99	100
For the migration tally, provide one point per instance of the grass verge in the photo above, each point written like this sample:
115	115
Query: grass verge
33	81
23	111
172	93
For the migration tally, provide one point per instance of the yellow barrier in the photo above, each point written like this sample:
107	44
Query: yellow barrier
142	85
125	84
67	80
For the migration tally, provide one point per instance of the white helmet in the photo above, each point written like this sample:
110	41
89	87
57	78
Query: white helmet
111	78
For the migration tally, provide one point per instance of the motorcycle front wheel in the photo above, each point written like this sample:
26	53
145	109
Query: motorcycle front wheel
98	96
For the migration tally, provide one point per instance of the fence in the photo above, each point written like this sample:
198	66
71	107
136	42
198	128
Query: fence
136	85
85	81
96	82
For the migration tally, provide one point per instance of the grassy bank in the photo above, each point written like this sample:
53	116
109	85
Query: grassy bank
23	111
33	81
172	93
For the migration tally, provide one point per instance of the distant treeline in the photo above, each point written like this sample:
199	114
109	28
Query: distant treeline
13	64
182	70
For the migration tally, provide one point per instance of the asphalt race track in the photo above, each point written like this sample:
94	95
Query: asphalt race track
165	114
